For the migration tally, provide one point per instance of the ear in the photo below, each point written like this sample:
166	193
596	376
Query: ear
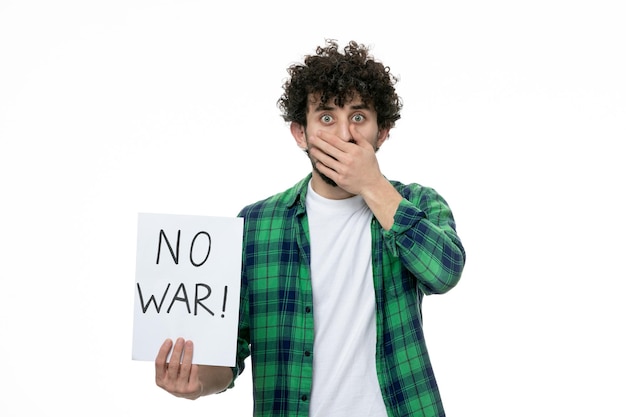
383	134
297	130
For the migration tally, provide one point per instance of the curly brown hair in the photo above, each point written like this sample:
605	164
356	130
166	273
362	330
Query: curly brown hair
340	76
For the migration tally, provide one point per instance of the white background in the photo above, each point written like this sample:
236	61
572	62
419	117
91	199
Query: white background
514	112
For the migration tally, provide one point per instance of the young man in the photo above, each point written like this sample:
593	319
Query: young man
335	268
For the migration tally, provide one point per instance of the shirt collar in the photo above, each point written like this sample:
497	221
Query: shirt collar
298	192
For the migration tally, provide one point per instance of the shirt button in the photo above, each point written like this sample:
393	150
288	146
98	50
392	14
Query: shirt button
307	353
304	397
308	309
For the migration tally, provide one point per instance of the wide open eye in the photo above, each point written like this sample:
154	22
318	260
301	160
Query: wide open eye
326	118
358	118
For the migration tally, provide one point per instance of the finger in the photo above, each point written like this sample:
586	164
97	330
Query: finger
322	156
186	364
160	362
193	376
328	151
328	142
324	162
174	364
328	172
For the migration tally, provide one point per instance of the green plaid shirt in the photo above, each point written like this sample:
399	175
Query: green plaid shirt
421	254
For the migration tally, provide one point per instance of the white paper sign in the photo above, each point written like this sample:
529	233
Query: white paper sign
187	285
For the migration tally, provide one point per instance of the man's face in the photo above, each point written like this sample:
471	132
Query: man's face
354	119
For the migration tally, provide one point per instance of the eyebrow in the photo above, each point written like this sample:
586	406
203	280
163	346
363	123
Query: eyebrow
326	107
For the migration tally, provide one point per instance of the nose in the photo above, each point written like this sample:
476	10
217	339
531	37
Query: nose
344	132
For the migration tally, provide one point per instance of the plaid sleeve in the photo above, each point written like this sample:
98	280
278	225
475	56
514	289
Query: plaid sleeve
243	339
424	237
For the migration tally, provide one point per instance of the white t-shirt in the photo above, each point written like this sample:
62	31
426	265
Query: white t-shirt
345	382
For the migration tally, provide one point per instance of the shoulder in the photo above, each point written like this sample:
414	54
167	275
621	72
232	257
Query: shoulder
277	203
